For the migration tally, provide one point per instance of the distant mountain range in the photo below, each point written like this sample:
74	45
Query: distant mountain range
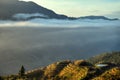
20	10
97	17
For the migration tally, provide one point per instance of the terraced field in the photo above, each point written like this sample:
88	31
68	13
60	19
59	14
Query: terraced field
70	70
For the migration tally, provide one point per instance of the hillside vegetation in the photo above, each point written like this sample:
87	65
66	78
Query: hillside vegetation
74	70
113	57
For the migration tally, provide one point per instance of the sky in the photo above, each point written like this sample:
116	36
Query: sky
77	8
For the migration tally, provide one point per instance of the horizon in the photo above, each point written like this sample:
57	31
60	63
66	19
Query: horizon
108	8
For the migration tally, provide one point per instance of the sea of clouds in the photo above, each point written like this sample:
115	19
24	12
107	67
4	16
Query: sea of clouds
59	40
38	22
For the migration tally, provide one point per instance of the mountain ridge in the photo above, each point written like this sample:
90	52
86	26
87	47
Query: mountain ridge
15	7
9	8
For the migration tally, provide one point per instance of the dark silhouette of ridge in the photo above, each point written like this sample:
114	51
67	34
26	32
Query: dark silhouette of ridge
9	8
97	17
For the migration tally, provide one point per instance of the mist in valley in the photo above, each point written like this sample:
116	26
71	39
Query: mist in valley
37	43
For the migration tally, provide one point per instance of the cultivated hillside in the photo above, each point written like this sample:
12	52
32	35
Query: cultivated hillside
69	70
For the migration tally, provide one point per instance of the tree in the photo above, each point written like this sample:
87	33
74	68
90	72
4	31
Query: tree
1	78
22	71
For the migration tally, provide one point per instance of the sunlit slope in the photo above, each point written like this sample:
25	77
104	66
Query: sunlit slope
71	70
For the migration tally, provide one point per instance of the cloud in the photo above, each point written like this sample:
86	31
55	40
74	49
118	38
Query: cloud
17	24
59	23
26	16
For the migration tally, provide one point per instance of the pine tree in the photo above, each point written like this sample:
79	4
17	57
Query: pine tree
22	71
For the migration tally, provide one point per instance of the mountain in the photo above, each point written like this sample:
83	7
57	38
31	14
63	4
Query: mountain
113	57
73	70
97	17
20	10
9	8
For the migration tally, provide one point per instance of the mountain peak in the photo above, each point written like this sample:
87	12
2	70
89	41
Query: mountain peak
10	8
13	7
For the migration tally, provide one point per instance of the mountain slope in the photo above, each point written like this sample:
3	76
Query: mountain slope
111	74
8	8
70	70
113	57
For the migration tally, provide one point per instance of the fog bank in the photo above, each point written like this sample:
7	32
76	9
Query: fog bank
59	23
